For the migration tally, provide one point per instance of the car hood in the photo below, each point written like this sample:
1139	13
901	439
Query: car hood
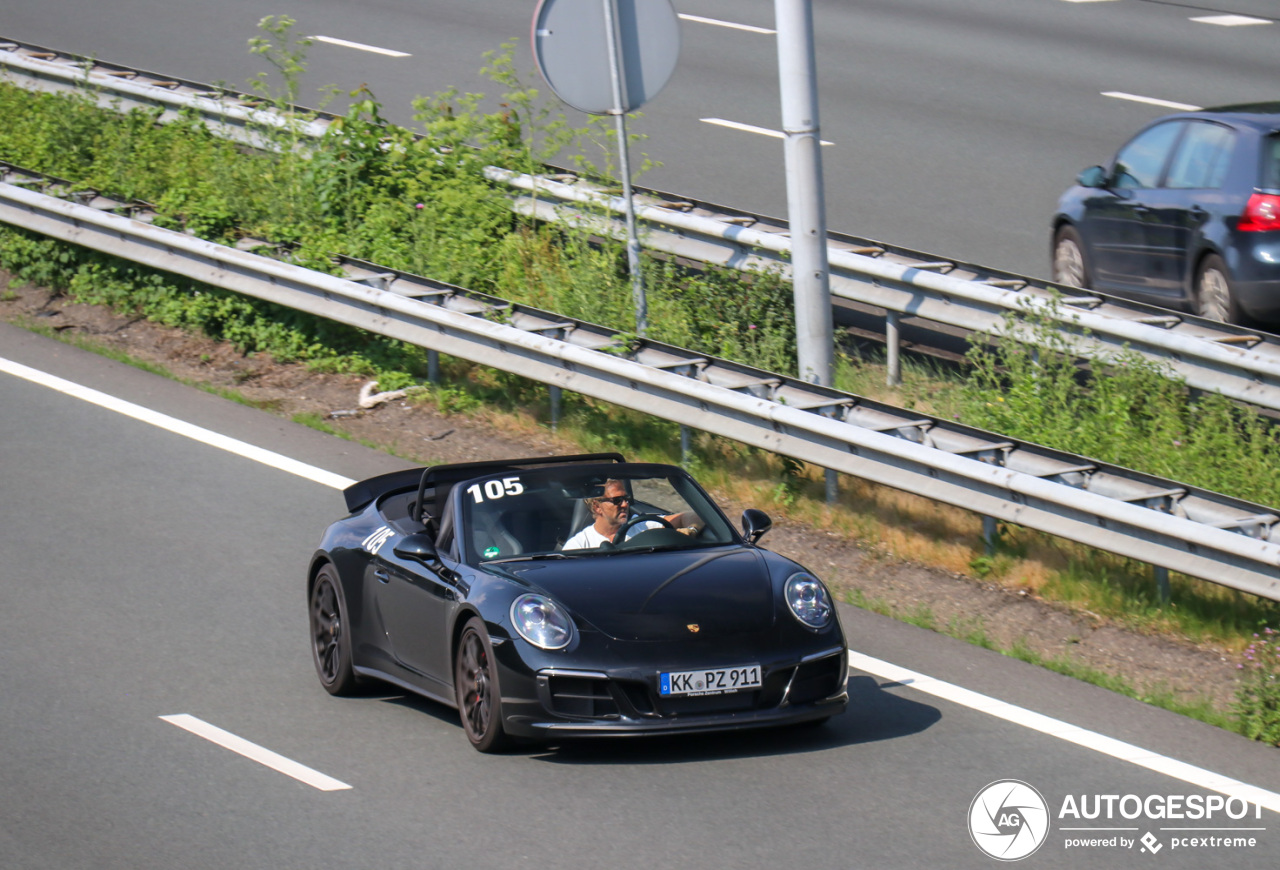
661	596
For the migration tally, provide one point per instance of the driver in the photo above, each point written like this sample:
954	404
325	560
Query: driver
610	515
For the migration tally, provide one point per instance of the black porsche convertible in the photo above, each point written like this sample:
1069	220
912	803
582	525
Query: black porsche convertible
569	597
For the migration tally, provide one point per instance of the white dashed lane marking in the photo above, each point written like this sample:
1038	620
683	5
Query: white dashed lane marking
750	128
360	46
1152	101
1230	20
254	752
718	23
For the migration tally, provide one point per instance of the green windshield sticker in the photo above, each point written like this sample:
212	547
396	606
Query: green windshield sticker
490	552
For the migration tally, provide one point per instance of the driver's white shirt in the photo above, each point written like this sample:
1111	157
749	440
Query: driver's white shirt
590	538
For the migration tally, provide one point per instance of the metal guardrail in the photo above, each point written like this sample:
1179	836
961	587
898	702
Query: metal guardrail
1168	524
1243	364
1240	363
240	116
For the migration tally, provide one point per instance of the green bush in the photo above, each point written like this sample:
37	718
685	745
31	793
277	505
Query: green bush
1127	411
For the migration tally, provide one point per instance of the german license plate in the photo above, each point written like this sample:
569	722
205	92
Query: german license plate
709	681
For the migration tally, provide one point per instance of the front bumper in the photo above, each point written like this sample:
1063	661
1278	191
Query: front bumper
566	702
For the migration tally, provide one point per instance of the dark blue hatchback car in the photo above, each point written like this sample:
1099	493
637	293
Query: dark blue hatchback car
1187	215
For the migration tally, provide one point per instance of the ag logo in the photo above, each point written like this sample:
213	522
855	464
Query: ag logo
1008	820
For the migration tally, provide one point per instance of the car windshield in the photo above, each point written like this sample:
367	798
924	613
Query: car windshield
571	512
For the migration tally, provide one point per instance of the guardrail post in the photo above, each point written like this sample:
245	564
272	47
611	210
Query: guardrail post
832	481
1162	583
990	534
893	343
685	433
554	392
433	367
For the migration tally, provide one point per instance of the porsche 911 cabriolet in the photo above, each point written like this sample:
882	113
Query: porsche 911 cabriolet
573	596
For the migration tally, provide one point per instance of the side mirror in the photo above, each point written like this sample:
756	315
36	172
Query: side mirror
1094	176
419	548
755	523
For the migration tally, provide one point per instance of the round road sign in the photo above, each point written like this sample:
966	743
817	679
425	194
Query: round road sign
571	50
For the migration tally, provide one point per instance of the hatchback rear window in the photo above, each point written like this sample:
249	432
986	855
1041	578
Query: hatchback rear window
1271	163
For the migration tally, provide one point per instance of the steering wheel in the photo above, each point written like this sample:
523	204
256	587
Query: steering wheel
621	534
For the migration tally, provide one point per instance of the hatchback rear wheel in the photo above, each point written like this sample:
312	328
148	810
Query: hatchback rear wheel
1214	298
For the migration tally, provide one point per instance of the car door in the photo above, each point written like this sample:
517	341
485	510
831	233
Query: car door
1189	195
414	604
1116	218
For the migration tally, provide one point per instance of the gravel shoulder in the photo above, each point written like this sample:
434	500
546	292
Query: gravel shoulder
421	433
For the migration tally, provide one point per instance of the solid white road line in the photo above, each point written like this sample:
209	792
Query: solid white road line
1118	749
254	752
718	23
176	426
1197	776
360	46
1152	101
749	128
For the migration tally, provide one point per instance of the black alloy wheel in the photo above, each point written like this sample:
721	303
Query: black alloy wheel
475	685
330	639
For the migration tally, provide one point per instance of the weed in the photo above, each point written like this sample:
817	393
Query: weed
1257	705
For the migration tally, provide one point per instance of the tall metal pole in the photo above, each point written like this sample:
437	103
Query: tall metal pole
618	76
806	208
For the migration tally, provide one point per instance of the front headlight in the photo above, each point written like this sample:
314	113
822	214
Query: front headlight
808	600
541	621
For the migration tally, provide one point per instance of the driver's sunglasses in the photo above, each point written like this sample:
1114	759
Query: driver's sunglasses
617	500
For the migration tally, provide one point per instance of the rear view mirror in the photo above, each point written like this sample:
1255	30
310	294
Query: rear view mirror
1094	176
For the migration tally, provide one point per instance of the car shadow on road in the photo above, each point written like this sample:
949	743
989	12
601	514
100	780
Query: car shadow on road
874	714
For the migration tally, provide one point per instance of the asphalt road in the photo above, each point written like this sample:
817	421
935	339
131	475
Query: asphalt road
954	125
147	574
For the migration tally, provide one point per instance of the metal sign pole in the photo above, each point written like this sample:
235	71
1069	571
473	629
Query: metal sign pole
620	116
806	209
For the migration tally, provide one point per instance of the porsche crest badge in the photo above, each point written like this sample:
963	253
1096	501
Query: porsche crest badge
693	627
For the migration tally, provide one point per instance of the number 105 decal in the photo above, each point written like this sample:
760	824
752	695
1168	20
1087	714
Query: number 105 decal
494	489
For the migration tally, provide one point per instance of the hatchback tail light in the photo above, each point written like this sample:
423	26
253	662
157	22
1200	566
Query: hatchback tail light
1261	214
